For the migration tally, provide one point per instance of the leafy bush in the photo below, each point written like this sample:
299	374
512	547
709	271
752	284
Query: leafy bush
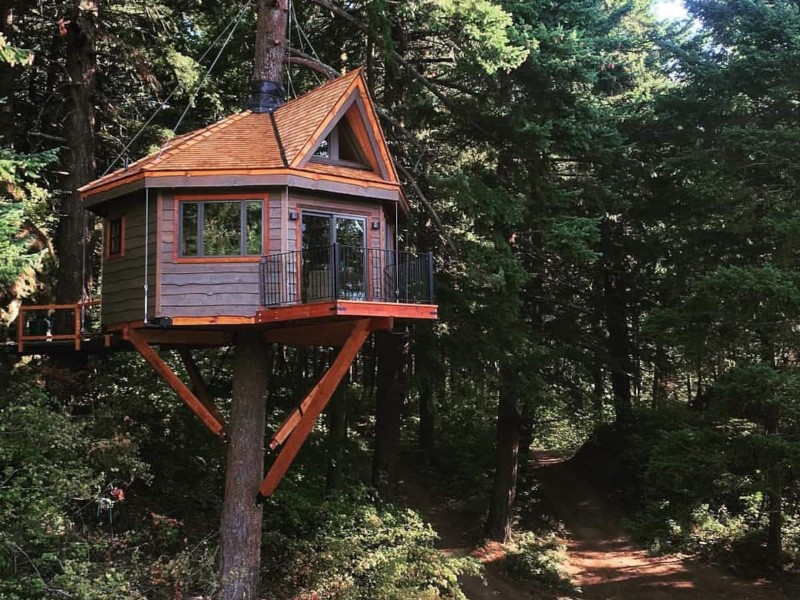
539	558
361	549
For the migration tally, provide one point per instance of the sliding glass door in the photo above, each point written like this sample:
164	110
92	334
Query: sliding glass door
334	257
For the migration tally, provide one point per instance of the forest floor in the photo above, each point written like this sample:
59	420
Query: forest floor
603	561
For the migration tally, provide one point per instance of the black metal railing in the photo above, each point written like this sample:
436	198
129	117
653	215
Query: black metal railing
339	272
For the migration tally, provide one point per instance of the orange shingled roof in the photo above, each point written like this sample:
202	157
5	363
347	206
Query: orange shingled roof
259	141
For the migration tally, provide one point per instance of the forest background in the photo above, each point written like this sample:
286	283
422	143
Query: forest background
613	206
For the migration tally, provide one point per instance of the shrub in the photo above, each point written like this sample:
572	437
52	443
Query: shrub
361	549
539	558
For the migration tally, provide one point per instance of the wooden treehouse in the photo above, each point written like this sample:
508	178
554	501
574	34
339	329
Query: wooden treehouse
283	220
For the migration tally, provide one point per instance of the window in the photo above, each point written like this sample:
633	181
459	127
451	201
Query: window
221	228
115	238
341	147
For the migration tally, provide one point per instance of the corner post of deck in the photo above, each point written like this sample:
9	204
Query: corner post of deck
262	279
336	257
430	277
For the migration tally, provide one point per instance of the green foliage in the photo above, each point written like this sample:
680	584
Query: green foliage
356	548
540	558
14	56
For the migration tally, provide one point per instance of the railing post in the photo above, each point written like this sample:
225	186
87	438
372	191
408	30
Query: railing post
430	277
20	328
262	279
335	270
77	324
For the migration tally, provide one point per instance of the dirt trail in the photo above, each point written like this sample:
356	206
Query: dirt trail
606	565
603	561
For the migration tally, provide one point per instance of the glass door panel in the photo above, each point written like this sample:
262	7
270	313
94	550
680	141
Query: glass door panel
317	270
350	235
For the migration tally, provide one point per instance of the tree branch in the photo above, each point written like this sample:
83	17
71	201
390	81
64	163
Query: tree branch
300	58
401	61
428	206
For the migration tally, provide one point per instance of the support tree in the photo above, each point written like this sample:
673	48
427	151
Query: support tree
78	157
240	527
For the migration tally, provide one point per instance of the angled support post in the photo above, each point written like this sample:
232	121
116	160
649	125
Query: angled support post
294	431
198	385
207	416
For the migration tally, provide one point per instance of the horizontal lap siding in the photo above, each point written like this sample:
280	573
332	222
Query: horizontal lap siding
122	290
199	289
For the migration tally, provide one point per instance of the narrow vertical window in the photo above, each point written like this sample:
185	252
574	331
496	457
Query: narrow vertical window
254	233
115	238
189	215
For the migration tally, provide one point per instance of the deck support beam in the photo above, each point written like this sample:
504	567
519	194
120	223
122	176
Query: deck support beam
208	416
294	431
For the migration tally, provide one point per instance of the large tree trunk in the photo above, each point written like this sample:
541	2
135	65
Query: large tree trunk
78	158
7	119
509	426
774	494
270	40
427	370
240	526
337	435
615	295
391	351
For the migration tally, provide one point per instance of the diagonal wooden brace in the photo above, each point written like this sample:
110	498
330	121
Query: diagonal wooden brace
296	428
293	419
209	417
198	385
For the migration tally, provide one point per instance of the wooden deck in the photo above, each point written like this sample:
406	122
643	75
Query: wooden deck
325	323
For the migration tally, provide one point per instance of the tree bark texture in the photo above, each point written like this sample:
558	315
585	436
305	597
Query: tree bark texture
337	435
270	46
78	157
427	369
391	353
615	296
240	526
774	494
509	425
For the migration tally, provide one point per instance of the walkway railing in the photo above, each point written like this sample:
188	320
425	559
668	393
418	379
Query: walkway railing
340	272
58	323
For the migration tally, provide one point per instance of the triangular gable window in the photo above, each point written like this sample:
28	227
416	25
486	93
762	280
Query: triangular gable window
340	147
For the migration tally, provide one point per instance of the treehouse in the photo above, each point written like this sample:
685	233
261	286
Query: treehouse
281	219
284	219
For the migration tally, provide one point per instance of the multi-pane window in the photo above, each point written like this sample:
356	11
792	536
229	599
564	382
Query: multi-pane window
115	237
221	228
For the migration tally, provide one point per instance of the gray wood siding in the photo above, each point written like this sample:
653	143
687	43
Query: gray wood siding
122	283
204	289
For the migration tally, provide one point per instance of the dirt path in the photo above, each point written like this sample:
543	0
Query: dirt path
606	565
603	561
460	534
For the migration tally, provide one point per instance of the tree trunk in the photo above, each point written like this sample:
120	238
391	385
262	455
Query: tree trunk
8	121
240	526
268	63
615	293
774	494
509	423
391	349
427	428
337	435
78	158
427	371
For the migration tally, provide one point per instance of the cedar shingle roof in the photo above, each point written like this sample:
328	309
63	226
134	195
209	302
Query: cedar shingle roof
247	141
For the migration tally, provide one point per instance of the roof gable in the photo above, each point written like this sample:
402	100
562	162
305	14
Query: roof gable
354	107
284	141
